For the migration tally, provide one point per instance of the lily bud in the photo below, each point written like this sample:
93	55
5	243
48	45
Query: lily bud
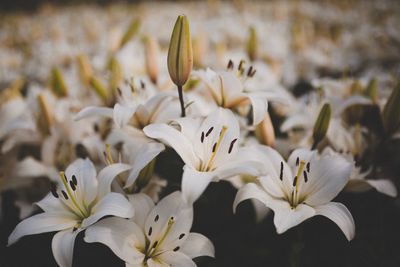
372	90
45	121
356	88
130	32
180	55
116	75
152	55
252	44
322	124
85	69
99	88
57	83
265	131
391	111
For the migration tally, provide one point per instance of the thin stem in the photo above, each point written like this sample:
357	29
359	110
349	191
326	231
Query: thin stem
180	91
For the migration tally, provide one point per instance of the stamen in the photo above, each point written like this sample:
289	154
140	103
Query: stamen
142	85
73	187
74	180
297	161
156	218
214	147
231	145
155	244
249	71
64	194
305	176
253	73
181	236
308	166
108	154
150	231
176	249
202	137
54	192
281	173
209	131
230	65
295	181
240	67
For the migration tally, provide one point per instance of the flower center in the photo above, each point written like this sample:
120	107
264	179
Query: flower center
70	197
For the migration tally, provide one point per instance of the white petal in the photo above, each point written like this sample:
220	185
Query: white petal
172	206
340	215
175	139
122	115
142	205
296	121
194	183
85	173
30	167
197	245
144	155
41	223
123	237
250	191
176	259
112	204
285	217
381	185
107	175
63	247
327	177
94	111
260	107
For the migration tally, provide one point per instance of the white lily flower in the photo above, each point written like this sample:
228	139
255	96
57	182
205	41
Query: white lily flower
158	235
301	188
76	205
228	91
209	148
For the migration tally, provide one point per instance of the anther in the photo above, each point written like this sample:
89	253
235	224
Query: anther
202	137
281	173
74	180
72	185
253	73
176	249
297	161
231	145
142	84
240	67
155	244
64	194
156	218
150	231
214	147
230	65
209	131
249	71
308	167
295	181
305	176
54	192
181	236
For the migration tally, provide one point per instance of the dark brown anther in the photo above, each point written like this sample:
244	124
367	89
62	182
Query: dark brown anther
64	194
231	145
249	71
142	85
202	137
252	73
281	172
295	181
308	167
240	67
54	192
181	236
156	218
72	185
214	147
209	131
305	176
150	231
230	65
74	180
297	161
176	249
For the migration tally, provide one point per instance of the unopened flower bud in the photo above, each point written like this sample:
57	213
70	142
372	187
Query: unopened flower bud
252	44
46	116
322	124
371	91
265	131
391	111
85	69
99	88
130	32
57	83
152	55
180	55
116	73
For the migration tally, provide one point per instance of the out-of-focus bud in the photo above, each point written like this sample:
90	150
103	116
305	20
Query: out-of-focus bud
57	83
132	30
200	47
45	121
265	131
252	44
116	74
391	111
180	54
152	55
12	91
99	88
321	124
356	88
371	91
85	69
